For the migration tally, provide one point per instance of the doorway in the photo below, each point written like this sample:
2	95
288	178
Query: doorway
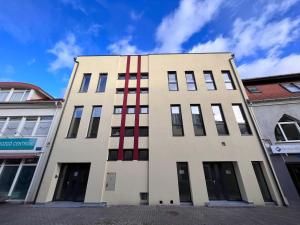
184	182
221	181
294	169
72	182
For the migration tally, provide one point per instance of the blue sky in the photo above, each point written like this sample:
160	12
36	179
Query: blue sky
38	39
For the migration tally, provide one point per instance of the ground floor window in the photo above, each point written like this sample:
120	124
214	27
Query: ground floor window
294	170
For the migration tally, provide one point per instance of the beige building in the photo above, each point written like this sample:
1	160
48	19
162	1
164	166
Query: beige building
157	129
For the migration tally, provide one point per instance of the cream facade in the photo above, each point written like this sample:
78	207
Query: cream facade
148	156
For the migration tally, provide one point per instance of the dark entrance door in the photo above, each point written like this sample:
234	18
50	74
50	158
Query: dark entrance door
72	181
294	170
184	182
221	181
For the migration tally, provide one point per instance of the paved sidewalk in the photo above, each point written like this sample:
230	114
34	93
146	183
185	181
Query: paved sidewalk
147	215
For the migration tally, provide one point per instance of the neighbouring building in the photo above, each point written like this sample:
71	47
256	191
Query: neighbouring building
275	102
28	119
157	129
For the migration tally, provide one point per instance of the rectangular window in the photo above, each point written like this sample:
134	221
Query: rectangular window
130	109
241	119
19	95
172	79
3	95
118	110
132	76
197	118
128	155
2	123
144	109
177	125
143	155
120	91
209	80
143	131
144	90
131	90
115	131
12	126
121	76
73	130
129	131
219	119
44	126
228	80
94	122
144	75
287	131
253	89
292	87
190	81
112	155
85	82
102	82
29	125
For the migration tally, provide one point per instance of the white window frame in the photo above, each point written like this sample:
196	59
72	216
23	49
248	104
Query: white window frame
19	90
282	131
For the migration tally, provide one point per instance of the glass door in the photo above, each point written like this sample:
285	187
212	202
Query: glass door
184	182
7	175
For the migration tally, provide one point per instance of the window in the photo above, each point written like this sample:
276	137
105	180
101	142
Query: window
219	120
132	76
118	110
130	109
115	131
94	122
29	125
253	89
209	80
129	131
73	130
144	90
12	126
19	95
144	75
3	95
190	81
143	155
85	82
198	124
241	119
144	109
292	87
2	122
143	131
121	76
172	79
113	155
120	91
287	131
102	82
177	126
128	155
44	125
131	90
228	80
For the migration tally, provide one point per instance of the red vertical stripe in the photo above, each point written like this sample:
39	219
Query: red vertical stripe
137	111
124	111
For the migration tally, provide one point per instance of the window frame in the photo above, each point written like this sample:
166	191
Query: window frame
181	125
91	121
115	151
73	117
118	107
190	82
143	149
111	132
124	153
212	81
283	133
201	118
230	81
101	75
223	120
173	82
246	122
297	86
145	107
83	82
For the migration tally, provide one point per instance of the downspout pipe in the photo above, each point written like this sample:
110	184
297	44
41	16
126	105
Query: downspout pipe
257	131
58	126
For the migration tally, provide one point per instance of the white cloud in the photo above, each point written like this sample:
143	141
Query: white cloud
64	51
220	44
271	66
135	15
75	4
94	29
177	27
123	47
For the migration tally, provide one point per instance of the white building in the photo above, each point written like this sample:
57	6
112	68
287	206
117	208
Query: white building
28	119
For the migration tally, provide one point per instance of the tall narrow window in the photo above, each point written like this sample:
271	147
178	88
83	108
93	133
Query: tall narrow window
209	80
44	125
177	125
228	80
73	130
29	125
172	79
199	128
102	82
241	119
85	82
94	122
2	123
219	120
12	126
190	81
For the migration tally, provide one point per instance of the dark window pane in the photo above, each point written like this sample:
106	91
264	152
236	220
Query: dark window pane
132	76
102	82
120	91
253	89
143	155
197	120
74	126
241	119
115	131
85	83
219	120
144	90
121	76
291	131
129	131
6	178
177	125
177	130
112	155
131	91
278	134
128	155
144	75
31	160
94	122
144	131
117	109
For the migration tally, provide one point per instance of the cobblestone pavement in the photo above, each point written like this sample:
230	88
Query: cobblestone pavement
147	215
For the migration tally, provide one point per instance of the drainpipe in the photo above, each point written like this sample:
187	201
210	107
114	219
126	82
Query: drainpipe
58	126
257	131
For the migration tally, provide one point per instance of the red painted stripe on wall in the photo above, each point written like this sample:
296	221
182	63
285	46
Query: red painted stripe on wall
137	111
124	111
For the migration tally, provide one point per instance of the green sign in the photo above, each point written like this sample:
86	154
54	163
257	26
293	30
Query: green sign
17	143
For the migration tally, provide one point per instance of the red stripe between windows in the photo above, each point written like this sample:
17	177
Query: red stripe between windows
124	111
137	111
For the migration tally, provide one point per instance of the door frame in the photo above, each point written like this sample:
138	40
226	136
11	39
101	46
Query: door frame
190	189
